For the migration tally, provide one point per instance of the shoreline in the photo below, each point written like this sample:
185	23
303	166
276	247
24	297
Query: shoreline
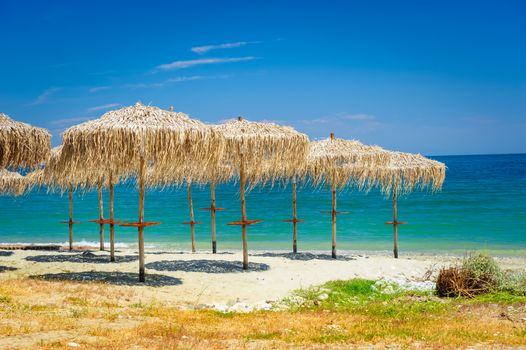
94	246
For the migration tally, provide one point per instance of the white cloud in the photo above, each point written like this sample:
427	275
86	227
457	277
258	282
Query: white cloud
106	106
43	97
67	121
206	48
99	88
358	117
203	61
176	80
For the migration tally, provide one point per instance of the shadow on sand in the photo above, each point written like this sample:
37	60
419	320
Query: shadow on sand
85	257
187	252
6	253
117	278
206	266
7	268
305	256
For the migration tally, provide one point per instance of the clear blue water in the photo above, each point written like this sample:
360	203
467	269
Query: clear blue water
482	206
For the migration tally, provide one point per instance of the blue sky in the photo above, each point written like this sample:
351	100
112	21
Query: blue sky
435	77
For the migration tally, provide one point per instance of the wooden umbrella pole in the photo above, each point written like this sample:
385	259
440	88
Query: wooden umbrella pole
333	185
142	171
101	216
395	225
112	221
213	213
243	212
191	205
70	195
294	217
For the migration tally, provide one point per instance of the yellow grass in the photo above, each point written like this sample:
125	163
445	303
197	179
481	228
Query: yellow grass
50	315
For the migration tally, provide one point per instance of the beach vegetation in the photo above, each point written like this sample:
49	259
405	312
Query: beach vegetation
478	274
341	313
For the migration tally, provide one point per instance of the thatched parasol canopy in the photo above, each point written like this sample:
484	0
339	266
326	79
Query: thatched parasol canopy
119	139
12	183
269	151
259	152
405	172
22	145
59	178
334	160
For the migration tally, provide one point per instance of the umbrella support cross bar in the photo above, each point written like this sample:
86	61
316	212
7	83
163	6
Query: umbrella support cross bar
213	210
294	219
244	222
70	222
112	221
395	224
101	215
192	221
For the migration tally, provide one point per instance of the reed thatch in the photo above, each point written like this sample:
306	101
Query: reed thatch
269	151
405	172
22	145
117	141
160	177
59	179
12	183
334	160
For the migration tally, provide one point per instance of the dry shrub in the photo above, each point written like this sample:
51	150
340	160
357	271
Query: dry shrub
452	282
477	274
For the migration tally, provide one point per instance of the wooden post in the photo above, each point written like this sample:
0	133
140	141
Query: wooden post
243	212
142	171
101	217
191	205
395	226
213	213
333	185
70	195
112	221
294	217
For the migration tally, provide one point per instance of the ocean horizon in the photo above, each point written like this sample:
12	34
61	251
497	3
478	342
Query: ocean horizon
482	206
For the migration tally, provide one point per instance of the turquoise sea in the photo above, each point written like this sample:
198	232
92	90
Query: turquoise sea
482	206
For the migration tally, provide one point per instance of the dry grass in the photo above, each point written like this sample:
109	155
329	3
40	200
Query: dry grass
52	314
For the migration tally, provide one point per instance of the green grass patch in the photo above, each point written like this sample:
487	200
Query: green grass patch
503	297
360	296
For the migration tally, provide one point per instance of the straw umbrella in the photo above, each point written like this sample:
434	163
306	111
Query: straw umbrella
22	145
56	182
404	173
12	183
257	151
129	138
333	161
60	180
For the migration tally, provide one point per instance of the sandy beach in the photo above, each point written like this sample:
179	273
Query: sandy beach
189	280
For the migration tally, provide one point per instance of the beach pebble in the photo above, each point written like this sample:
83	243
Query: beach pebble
263	306
323	296
240	307
390	285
